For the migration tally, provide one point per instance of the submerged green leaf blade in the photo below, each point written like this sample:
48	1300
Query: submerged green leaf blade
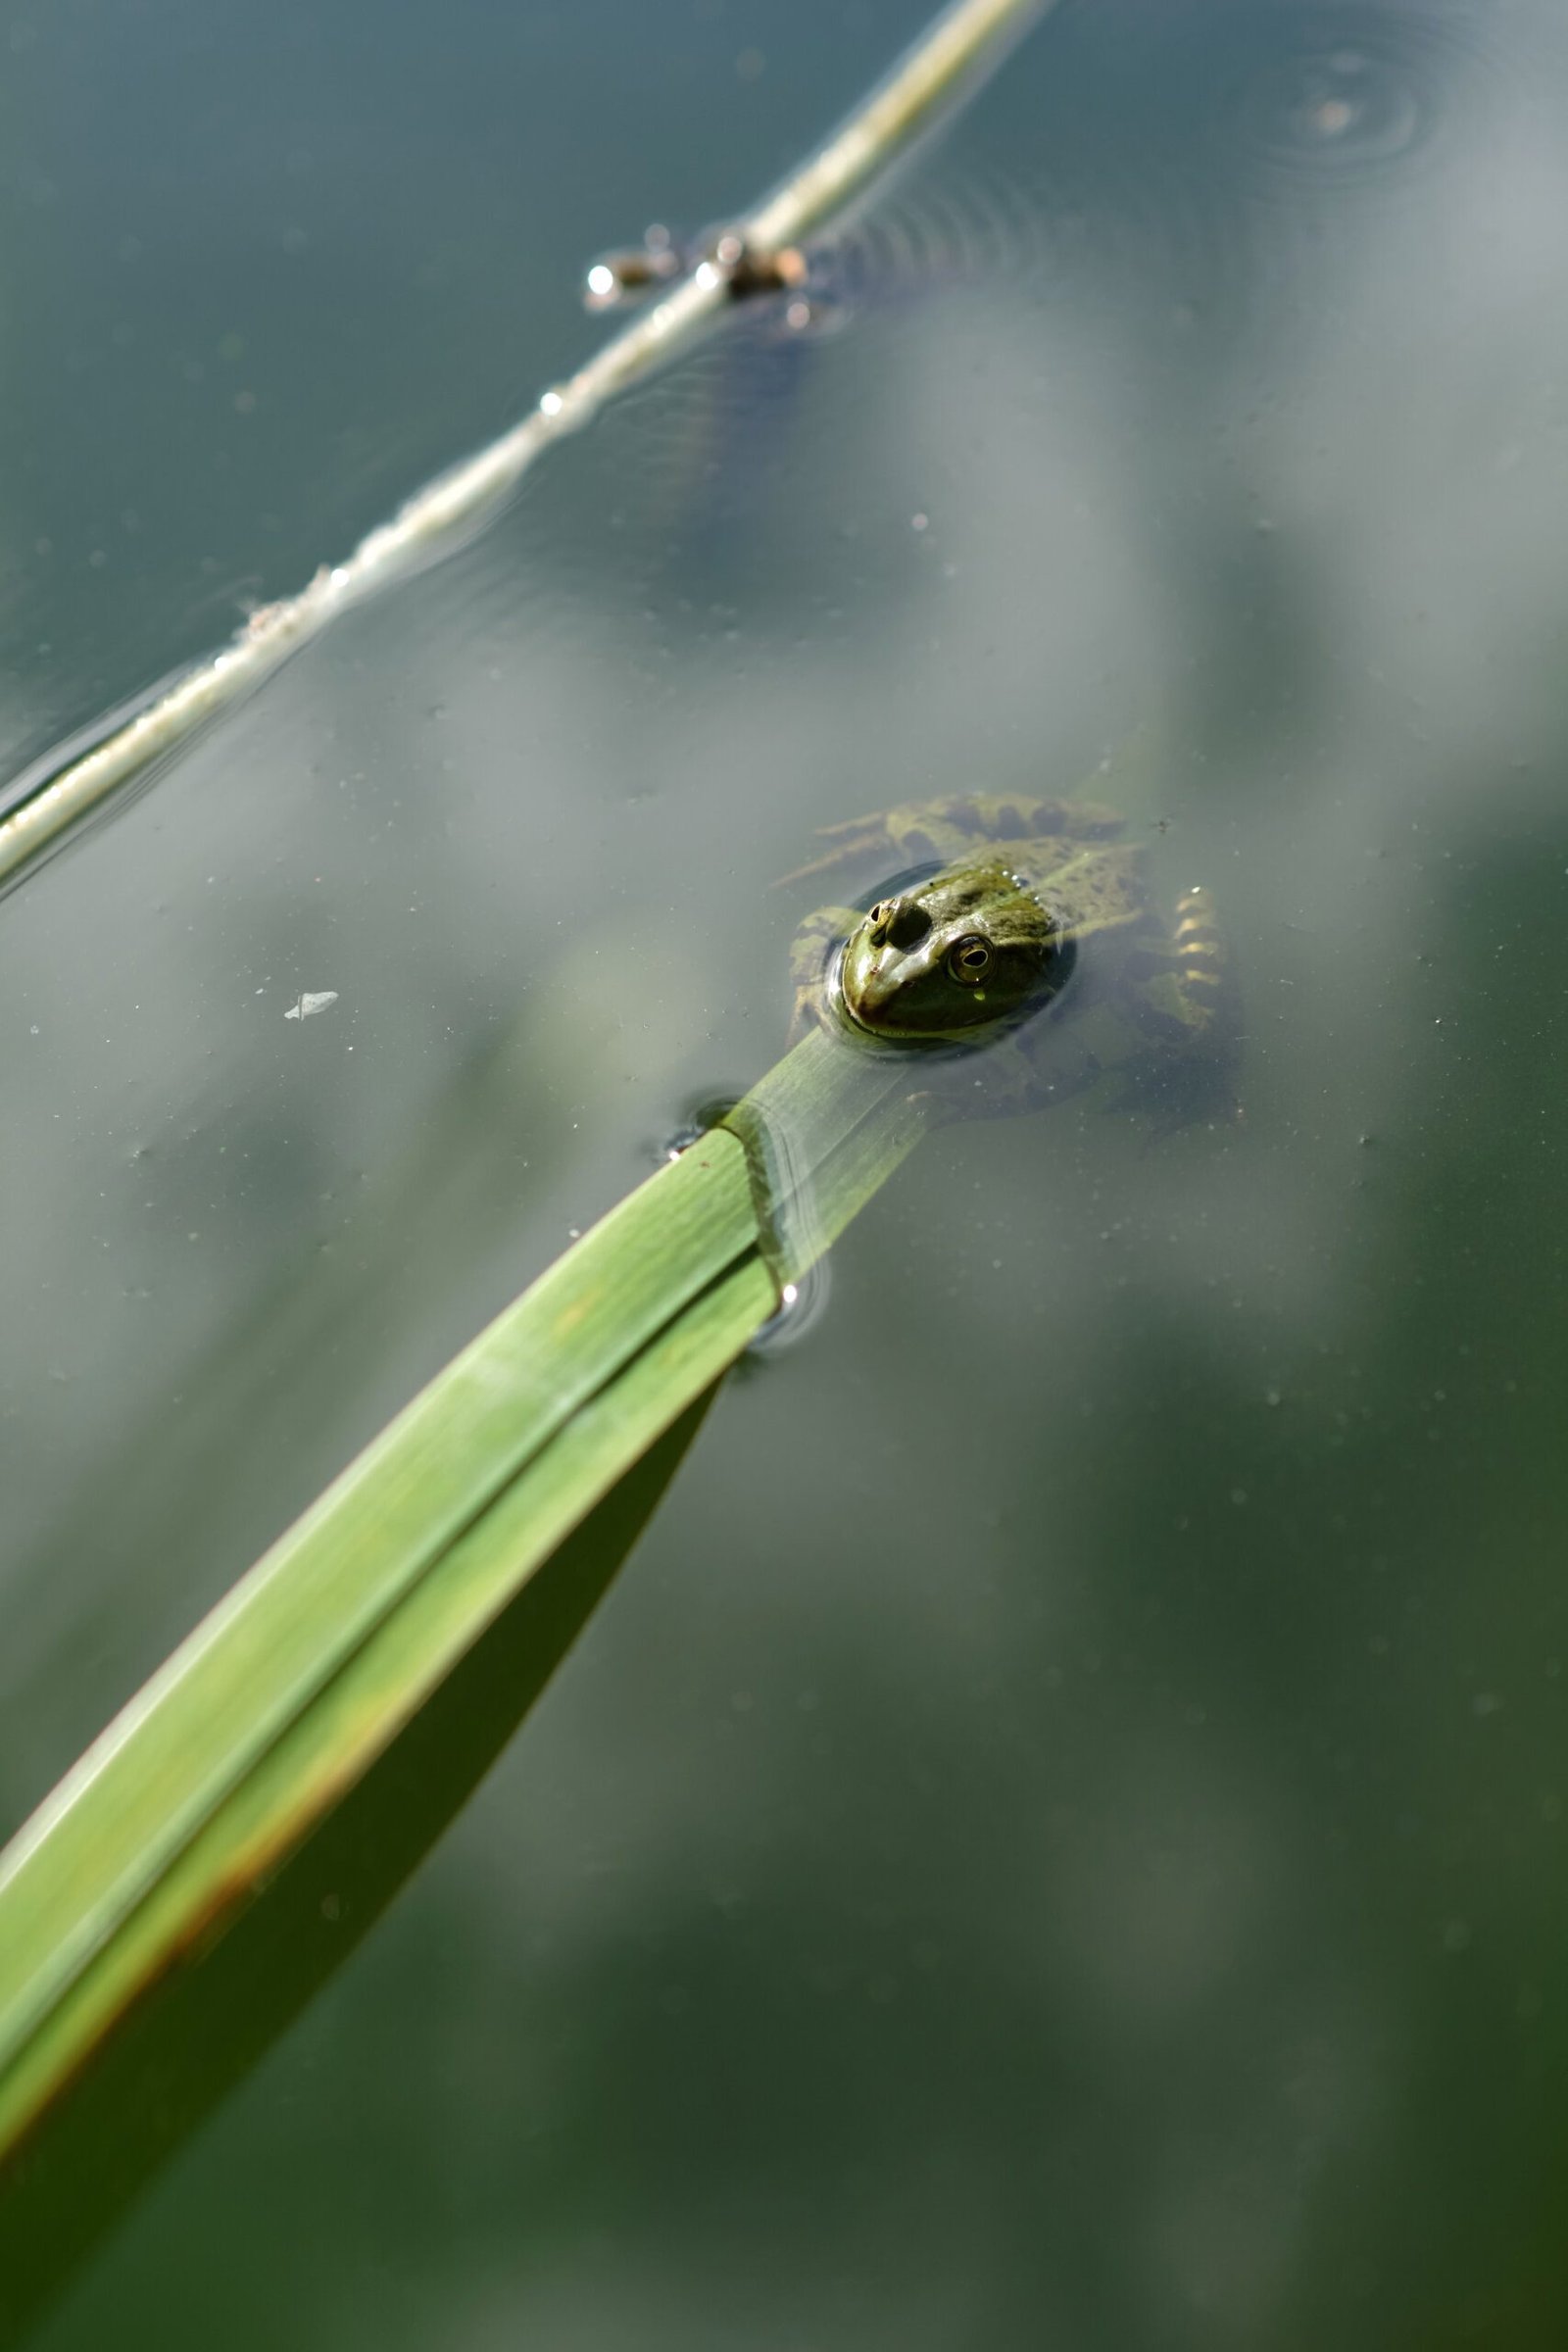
282	1701
233	1687
355	1717
194	2034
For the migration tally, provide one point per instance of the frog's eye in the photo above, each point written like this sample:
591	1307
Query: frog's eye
969	960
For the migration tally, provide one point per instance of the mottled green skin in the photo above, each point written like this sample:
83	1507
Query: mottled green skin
1038	939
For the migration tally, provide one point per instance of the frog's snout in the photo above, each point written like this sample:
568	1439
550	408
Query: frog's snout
880	955
872	973
874	984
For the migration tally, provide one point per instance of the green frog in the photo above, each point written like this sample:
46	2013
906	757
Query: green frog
1026	928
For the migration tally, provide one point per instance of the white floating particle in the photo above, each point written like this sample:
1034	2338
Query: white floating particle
311	1001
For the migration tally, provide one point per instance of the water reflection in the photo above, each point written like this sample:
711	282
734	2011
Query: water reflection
1084	1749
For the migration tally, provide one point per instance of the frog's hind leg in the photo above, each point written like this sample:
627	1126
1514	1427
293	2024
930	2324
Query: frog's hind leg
1189	1011
1204	980
811	952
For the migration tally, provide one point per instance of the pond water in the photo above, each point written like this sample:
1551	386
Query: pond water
1058	1835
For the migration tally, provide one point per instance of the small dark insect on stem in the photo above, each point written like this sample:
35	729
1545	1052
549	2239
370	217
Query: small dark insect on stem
627	276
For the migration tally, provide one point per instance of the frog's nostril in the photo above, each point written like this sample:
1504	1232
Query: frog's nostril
908	923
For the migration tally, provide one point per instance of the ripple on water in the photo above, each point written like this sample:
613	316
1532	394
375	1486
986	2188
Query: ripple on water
1202	148
1223	147
1182	171
1347	97
1339	110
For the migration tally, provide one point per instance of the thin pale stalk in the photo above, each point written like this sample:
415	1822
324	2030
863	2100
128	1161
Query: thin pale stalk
962	42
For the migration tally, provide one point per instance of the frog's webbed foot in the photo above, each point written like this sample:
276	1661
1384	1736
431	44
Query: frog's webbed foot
858	837
811	952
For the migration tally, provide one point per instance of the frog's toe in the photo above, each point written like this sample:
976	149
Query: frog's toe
1204	979
857	837
805	1016
811	951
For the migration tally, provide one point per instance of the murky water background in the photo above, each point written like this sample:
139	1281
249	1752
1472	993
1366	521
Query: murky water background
1058	1834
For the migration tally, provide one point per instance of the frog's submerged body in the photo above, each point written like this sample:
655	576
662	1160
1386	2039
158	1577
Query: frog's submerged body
1026	928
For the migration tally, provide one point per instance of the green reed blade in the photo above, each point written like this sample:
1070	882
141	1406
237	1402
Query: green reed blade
233	1687
194	2030
284	1698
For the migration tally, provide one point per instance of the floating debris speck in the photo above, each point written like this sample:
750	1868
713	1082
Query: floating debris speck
308	1001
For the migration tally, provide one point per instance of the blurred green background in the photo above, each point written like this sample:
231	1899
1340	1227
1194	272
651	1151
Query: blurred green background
1057	1837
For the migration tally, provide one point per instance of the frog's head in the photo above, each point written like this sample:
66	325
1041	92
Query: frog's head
956	956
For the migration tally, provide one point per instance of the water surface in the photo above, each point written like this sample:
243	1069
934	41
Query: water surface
1057	1836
